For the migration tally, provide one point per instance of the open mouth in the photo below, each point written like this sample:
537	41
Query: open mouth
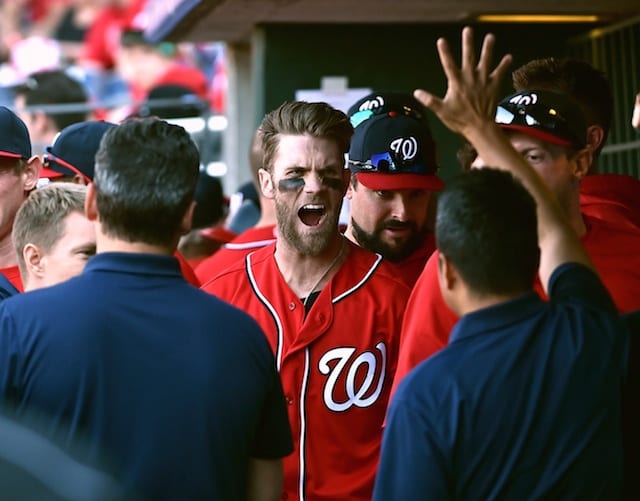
311	214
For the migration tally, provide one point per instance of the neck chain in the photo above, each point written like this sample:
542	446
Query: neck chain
331	265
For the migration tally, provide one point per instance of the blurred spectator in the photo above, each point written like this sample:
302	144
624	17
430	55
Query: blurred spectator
24	18
38	103
145	66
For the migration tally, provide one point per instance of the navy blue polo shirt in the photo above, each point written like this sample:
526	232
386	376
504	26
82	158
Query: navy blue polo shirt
524	403
176	388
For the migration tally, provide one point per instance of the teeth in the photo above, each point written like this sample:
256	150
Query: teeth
313	207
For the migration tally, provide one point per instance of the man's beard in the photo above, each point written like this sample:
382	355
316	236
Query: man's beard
393	253
312	244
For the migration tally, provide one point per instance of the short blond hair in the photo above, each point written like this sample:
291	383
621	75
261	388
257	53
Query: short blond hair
40	219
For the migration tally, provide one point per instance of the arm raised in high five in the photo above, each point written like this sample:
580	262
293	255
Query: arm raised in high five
468	108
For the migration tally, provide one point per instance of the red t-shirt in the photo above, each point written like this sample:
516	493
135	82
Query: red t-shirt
102	39
12	273
187	270
612	197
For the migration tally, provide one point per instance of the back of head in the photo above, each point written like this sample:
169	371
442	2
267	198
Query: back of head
145	179
588	86
487	226
301	118
40	219
55	87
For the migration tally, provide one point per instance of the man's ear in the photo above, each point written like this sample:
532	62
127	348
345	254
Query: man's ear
595	136
31	173
582	160
266	183
187	219
90	205
447	274
33	260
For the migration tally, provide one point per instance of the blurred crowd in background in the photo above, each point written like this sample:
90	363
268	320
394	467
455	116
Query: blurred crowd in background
100	43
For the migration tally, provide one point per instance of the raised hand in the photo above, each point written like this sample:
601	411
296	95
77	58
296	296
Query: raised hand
472	89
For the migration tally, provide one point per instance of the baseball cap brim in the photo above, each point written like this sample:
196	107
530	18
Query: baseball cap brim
537	133
392	182
49	173
8	154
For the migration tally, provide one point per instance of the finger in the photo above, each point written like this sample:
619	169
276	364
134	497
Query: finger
468	51
446	60
429	100
486	54
501	69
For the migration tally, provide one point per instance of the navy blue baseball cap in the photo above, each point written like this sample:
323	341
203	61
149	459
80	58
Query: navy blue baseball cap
393	151
14	136
381	102
74	150
549	116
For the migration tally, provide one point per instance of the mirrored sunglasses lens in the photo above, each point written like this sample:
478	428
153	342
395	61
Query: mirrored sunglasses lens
504	116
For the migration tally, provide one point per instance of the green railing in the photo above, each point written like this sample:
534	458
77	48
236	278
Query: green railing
615	50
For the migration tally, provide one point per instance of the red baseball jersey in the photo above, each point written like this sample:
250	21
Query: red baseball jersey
614	251
336	364
612	197
234	251
409	269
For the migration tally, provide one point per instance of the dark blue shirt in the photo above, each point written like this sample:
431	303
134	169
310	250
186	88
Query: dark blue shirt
524	403
176	388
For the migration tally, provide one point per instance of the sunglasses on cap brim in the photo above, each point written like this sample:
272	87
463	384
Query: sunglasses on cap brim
49	158
384	163
537	116
363	115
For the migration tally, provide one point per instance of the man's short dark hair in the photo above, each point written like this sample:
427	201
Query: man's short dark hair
145	179
487	226
55	87
588	86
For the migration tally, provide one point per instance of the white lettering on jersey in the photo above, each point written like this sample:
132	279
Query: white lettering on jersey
355	396
406	147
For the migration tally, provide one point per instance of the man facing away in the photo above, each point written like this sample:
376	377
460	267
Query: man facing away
177	389
52	236
524	402
330	309
393	177
551	132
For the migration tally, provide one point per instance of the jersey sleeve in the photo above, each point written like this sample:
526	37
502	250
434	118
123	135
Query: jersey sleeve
427	322
413	462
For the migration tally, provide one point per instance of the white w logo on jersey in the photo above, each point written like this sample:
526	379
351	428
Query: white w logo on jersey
359	395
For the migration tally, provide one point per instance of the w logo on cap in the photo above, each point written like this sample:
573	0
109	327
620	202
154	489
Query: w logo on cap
405	148
524	99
